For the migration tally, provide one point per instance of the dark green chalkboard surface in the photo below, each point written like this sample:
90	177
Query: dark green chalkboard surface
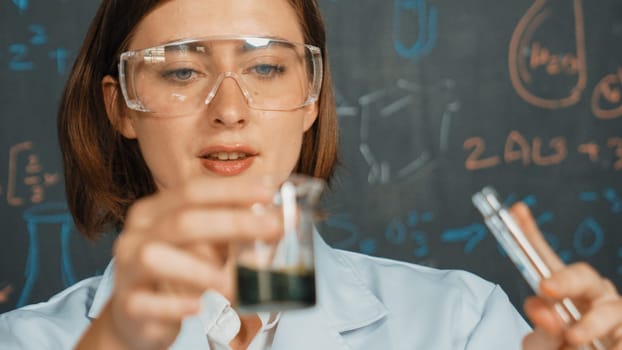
436	99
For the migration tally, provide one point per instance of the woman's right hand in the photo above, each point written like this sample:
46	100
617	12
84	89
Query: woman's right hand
174	246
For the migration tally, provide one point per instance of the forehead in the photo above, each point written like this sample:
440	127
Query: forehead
179	19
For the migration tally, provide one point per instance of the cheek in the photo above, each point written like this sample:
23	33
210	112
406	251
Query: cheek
160	147
286	141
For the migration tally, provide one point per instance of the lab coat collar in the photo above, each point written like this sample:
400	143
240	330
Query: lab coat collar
345	303
103	292
344	298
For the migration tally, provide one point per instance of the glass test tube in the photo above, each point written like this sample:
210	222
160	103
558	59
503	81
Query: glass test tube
521	252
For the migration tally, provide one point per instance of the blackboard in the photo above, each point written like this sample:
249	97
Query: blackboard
436	99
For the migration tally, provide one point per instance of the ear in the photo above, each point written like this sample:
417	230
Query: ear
120	121
311	114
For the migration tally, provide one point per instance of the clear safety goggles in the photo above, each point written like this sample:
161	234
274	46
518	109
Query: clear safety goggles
182	77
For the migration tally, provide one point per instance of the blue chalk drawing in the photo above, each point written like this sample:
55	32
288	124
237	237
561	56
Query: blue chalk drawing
46	213
22	5
612	196
421	241
368	246
609	194
589	230
19	62
39	37
61	56
590	196
398	232
415	10
395	232
343	223
472	234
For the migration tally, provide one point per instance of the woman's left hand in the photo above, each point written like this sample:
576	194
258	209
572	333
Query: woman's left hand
595	296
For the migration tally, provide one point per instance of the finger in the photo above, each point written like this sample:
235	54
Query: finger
578	281
149	306
616	342
189	225
229	289
601	321
215	253
539	339
543	316
201	191
524	219
166	263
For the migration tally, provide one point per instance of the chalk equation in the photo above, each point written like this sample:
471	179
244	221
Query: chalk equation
34	49
399	231
415	232
587	239
539	151
27	179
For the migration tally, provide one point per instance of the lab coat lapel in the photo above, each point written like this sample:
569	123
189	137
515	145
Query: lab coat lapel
345	303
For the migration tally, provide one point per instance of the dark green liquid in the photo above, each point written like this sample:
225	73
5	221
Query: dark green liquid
273	290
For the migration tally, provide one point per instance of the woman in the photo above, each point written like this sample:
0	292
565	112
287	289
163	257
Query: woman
176	170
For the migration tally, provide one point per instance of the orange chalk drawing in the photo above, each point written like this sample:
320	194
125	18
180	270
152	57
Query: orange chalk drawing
473	162
557	144
5	293
11	196
607	98
516	148
616	144
591	149
540	74
511	154
34	178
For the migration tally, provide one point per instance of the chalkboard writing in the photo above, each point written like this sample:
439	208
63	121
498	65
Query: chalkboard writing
436	98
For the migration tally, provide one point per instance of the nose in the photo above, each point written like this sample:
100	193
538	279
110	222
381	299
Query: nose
227	105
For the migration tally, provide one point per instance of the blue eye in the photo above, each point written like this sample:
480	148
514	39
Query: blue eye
182	74
267	70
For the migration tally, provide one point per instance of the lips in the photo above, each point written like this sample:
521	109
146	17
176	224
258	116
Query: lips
227	160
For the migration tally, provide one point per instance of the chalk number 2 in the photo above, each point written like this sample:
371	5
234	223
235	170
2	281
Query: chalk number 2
19	52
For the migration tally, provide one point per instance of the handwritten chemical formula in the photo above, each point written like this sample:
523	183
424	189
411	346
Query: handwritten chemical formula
414	234
539	151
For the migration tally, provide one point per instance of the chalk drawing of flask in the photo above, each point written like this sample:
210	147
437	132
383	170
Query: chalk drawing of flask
547	69
46	213
409	13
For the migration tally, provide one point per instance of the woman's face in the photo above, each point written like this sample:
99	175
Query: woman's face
207	142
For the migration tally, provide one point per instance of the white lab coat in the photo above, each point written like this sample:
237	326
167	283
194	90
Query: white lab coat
363	303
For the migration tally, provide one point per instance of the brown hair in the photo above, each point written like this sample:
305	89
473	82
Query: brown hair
104	171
